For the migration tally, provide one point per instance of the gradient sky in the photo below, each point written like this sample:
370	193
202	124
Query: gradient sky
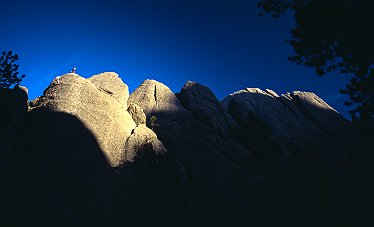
224	45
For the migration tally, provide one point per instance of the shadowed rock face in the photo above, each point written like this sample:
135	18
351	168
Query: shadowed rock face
12	116
300	117
58	173
206	108
320	113
285	138
201	144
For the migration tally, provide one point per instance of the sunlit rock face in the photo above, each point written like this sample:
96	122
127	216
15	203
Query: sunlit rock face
156	98
100	103
141	137
112	85
137	113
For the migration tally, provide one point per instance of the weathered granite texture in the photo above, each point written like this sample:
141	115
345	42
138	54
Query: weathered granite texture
100	102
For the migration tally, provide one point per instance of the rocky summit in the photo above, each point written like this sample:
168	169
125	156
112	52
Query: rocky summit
87	152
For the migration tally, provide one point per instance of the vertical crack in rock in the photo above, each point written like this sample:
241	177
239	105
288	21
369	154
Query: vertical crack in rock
155	95
126	151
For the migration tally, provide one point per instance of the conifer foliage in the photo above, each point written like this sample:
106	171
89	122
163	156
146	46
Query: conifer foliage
9	74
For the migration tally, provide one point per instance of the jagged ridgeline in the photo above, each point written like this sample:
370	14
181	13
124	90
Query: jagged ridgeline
87	152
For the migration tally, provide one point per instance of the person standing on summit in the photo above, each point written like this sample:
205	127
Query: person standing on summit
58	77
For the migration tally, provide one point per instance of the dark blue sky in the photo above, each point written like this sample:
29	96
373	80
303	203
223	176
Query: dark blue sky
224	45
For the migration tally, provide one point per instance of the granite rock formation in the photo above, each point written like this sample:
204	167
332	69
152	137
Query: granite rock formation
112	85
84	154
141	137
100	102
205	107
156	98
297	115
298	119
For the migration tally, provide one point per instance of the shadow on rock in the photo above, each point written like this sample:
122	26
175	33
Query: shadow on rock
58	173
155	189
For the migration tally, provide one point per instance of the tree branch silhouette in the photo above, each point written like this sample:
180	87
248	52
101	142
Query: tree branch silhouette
331	36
